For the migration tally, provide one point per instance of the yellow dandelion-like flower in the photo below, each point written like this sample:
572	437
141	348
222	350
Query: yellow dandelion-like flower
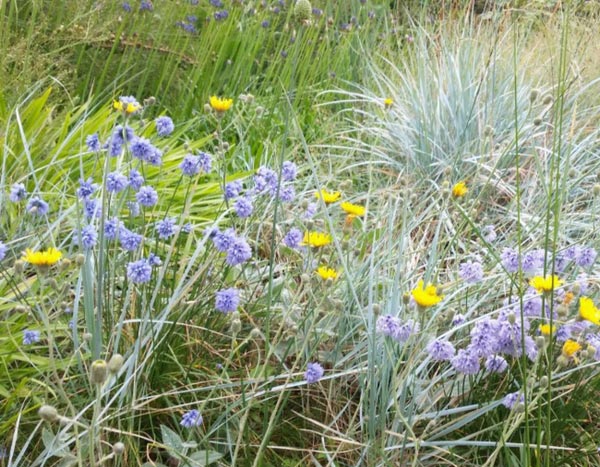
570	347
353	209
220	105
127	107
328	197
459	190
316	239
546	329
327	273
426	296
545	284
42	258
588	311
118	105
388	102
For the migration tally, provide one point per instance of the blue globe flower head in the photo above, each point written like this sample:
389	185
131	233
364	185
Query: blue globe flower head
135	179
221	15
92	208
164	126
139	272
293	238
191	419
238	252
146	5
126	7
89	237
37	206
147	196
223	240
243	207
3	250
111	228
166	228
30	337
86	188
233	189
287	194
466	362
440	350
130	241
314	372
227	300
93	143
17	192
289	171
116	182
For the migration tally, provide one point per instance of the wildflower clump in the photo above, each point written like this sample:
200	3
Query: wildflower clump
127	104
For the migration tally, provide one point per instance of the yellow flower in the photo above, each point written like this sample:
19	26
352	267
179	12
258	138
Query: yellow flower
127	107
328	197
545	284
42	258
388	102
570	347
316	239
353	209
459	190
220	105
546	329
327	273
426	296
588	311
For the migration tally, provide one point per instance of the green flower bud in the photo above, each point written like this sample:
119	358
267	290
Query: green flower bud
302	10
533	95
548	99
19	266
115	363
98	372
118	448
48	413
544	381
80	259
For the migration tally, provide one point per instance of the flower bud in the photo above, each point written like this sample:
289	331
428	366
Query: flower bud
260	111
118	448
562	311
87	336
511	318
207	108
48	413
302	10
406	298
520	407
540	342
80	259
544	381
115	363
19	266
65	264
596	189
376	309
236	326
255	333
98	372
572	173
537	121
562	361
533	95
305	278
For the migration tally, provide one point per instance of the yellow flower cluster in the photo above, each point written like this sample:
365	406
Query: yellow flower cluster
546	283
316	239
327	273
570	347
42	258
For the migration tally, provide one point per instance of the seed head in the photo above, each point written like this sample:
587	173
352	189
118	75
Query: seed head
98	372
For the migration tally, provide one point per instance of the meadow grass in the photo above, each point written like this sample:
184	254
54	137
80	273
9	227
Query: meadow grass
244	288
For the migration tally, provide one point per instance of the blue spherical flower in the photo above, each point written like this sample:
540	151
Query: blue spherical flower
147	196
144	150
191	165
265	179
311	210
191	419
223	240
287	194
205	161
289	170
37	206
86	188
130	241
243	207
314	372
166	228
126	6
91	208
116	182
511	400
388	325
233	189
484	338
510	260
89	237
488	233
134	208
458	319
440	350
164	126
533	261
227	300
471	272
125	133
187	228
135	179
405	330
93	143
139	272
465	362
154	260
238	252
30	337
146	5
496	364
216	3
112	228
586	257
293	238
3	250
17	192
221	15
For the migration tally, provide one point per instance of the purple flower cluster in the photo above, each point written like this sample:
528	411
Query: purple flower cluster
191	419
193	165
17	192
37	206
237	249
227	300
164	126
166	228
391	326
89	237
233	189
144	150
139	272
130	241
116	182
314	372
30	337
471	272
511	400
147	196
3	250
440	350
293	238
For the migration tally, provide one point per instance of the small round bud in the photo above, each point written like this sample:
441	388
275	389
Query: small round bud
414	197
207	108
305	278
115	363
87	336
260	111
445	192
302	10
544	381
48	413
80	259
304	204
345	243
149	101
406	298
596	189
98	372
584	354
118	448
52	283
226	146
576	288
531	381
511	318
537	121
562	361
310	224
376	309
19	266
488	131
20	309
446	183
540	342
548	99
591	350
533	95
236	326
572	173
255	333
562	311
519	408
65	264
